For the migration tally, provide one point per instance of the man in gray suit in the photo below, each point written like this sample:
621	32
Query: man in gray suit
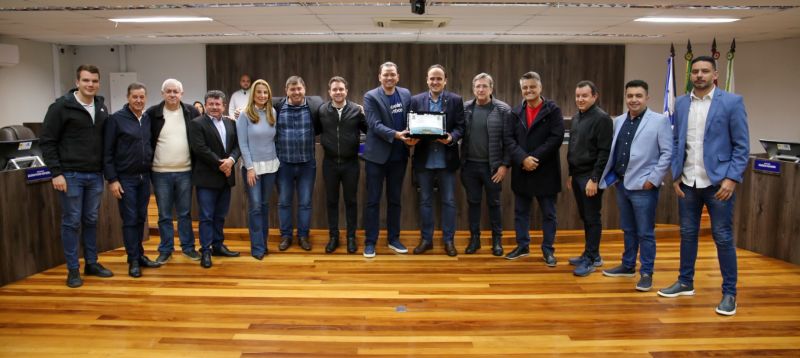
640	156
386	155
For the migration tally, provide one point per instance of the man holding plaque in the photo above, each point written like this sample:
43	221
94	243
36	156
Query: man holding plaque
436	156
386	155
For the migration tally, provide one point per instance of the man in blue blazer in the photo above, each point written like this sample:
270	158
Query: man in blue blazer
640	156
710	153
438	159
386	155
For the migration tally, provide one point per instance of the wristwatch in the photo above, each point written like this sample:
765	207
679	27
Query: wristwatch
594	179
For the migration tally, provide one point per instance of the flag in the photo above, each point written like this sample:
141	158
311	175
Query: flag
688	57
729	68
715	55
669	85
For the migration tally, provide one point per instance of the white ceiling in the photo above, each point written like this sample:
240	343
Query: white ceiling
85	22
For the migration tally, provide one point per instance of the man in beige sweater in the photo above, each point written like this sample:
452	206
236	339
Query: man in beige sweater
172	169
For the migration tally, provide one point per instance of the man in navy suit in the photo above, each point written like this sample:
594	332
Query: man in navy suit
438	159
710	152
215	150
386	155
640	156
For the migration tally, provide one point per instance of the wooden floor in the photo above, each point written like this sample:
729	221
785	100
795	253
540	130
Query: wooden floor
316	305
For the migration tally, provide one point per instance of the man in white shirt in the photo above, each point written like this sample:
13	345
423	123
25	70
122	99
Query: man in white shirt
710	154
239	98
172	169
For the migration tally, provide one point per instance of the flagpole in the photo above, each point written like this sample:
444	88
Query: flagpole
669	85
729	83
688	57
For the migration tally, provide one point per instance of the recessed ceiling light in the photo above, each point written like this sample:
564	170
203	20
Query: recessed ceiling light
683	20
161	19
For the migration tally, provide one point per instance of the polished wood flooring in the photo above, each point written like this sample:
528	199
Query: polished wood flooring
302	304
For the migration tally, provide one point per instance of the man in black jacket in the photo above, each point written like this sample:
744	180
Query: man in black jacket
172	169
341	125
215	150
484	160
536	133
590	138
127	158
72	145
437	159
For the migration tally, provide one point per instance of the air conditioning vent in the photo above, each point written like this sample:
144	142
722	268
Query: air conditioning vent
411	22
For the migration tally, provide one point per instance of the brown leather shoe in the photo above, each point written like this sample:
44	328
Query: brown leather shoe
286	241
422	247
450	249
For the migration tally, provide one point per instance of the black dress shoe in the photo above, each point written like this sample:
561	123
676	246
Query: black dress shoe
304	243
258	257
285	243
474	244
222	250
134	270
145	261
205	259
352	246
450	249
96	269
74	278
423	246
333	244
497	246
519	251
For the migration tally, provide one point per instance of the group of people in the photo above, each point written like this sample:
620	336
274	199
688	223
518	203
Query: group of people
172	146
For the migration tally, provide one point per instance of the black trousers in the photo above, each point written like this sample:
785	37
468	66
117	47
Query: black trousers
589	210
345	175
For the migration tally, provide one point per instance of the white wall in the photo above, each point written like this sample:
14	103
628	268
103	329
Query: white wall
152	64
26	89
766	75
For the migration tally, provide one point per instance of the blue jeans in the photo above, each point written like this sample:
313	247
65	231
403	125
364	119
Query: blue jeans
476	177
133	210
447	183
214	204
174	190
637	219
297	177
589	210
258	210
522	215
690	208
79	207
392	172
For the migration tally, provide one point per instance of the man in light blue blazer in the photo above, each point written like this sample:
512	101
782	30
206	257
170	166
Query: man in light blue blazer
711	149
386	155
640	156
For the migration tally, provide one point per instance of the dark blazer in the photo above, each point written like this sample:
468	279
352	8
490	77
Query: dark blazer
207	151
497	125
380	134
726	145
541	141
453	107
156	114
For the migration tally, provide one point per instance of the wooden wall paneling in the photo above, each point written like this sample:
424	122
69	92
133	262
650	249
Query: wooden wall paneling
561	67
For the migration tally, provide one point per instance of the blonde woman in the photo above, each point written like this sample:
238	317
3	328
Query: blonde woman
256	131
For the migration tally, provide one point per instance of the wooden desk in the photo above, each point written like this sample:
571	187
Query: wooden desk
30	227
767	213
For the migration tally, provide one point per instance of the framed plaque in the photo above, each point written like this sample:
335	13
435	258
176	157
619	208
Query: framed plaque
426	125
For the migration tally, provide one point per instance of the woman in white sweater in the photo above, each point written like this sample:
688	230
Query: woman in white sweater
255	128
